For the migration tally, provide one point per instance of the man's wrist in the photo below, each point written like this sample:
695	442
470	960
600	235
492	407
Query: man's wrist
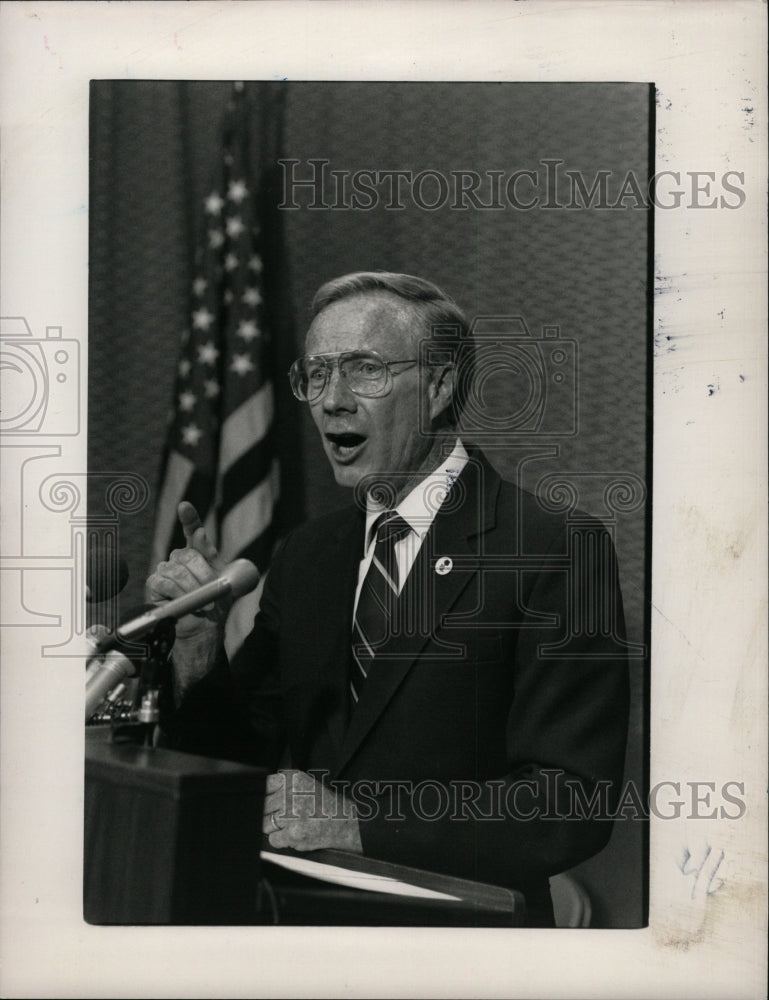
348	830
193	657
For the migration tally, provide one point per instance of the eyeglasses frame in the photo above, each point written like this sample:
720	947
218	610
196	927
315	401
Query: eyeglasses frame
338	358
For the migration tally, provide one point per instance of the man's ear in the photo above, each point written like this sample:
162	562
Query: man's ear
441	390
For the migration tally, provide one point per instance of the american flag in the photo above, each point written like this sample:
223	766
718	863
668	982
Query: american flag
220	450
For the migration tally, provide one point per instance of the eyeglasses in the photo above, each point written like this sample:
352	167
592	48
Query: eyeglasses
365	372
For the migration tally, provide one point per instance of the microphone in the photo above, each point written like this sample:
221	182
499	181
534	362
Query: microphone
107	675
238	578
124	660
105	576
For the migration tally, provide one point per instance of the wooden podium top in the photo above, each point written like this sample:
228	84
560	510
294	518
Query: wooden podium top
168	771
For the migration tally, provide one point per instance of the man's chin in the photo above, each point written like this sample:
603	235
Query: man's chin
351	474
379	488
346	472
347	475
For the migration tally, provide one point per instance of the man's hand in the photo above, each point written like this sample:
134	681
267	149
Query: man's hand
199	635
187	569
305	814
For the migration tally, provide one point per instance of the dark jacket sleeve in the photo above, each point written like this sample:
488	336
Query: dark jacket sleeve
564	741
235	711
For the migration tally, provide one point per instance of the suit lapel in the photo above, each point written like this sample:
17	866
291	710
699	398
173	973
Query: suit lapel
429	593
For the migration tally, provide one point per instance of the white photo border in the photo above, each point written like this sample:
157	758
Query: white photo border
707	59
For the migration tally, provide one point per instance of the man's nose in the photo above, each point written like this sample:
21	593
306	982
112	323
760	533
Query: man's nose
338	395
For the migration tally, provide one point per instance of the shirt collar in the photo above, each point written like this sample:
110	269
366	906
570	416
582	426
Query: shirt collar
421	505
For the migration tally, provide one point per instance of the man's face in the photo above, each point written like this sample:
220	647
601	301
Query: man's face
370	435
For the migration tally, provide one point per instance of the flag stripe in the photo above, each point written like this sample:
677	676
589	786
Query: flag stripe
250	517
259	550
199	493
250	422
240	620
254	465
179	471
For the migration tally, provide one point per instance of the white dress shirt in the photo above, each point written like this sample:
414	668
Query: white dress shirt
418	509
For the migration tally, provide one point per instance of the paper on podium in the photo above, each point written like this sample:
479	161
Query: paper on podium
352	879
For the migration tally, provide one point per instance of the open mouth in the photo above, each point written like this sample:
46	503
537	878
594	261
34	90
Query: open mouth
345	446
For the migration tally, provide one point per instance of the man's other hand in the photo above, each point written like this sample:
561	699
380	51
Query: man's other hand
307	815
187	569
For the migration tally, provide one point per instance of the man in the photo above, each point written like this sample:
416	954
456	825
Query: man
421	653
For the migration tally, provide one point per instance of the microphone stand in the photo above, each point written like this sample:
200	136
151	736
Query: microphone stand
154	672
150	656
154	625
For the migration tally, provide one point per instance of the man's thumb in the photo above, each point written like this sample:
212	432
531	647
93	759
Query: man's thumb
194	532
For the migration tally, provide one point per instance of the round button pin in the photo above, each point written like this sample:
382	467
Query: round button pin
443	566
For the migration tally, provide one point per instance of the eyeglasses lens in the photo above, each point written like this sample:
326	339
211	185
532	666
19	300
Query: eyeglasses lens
366	375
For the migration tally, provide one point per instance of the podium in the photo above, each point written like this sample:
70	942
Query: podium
173	838
169	838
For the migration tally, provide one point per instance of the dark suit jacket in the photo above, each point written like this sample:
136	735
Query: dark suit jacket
504	695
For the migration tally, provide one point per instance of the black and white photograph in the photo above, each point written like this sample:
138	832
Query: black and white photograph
480	727
370	515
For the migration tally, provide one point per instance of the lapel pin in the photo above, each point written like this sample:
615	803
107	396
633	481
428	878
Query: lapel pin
443	565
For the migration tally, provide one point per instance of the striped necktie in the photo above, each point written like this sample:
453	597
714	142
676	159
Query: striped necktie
377	599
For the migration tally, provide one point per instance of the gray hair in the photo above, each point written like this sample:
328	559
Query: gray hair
438	314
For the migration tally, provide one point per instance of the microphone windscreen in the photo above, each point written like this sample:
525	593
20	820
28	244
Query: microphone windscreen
242	577
106	572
